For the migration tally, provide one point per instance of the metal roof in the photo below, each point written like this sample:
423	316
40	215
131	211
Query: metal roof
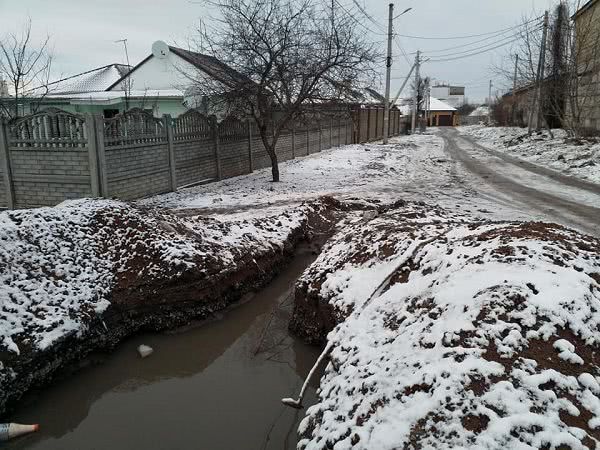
95	80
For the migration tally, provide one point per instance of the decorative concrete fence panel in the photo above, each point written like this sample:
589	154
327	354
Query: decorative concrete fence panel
47	157
53	156
137	155
234	152
301	139
284	149
195	149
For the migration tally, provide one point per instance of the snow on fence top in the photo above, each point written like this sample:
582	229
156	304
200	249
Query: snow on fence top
457	334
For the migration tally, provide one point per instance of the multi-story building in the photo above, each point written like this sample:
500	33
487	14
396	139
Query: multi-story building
585	112
452	95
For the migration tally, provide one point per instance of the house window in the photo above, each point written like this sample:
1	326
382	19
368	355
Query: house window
110	113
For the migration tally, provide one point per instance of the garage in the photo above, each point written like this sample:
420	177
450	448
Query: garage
444	120
441	114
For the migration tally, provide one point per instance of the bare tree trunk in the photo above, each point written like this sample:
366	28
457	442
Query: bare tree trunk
269	141
274	163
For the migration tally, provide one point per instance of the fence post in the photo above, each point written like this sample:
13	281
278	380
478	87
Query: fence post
168	124
368	123
293	140
376	123
215	130
6	167
90	126
250	157
356	126
339	131
101	152
331	132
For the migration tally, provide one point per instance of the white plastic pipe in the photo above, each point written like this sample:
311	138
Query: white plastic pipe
297	403
13	430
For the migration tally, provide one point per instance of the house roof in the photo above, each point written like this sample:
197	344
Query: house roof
584	8
95	80
435	104
438	105
111	95
208	64
212	66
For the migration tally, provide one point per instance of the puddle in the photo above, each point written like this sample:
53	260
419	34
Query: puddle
217	386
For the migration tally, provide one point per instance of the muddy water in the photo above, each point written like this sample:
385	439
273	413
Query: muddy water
214	386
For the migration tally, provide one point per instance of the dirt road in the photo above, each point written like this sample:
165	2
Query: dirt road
558	197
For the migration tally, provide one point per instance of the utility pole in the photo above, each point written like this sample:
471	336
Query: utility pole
542	71
427	103
534	105
416	97
514	92
388	74
490	104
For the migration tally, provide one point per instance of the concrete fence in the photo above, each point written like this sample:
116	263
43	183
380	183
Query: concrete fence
54	155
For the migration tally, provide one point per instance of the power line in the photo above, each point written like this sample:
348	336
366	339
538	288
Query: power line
358	22
463	37
482	47
397	42
494	36
368	16
476	53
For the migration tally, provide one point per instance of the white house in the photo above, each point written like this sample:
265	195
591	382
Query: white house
170	69
87	92
452	95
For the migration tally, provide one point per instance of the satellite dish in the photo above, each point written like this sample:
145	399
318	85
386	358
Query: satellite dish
160	49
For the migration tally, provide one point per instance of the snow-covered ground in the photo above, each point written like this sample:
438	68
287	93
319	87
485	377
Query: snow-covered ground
455	333
578	159
409	167
348	171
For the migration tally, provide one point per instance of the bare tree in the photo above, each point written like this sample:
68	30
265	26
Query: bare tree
569	90
582	68
423	83
27	68
525	52
289	57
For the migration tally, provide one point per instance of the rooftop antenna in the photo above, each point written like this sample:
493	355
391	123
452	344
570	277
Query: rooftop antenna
124	41
127	83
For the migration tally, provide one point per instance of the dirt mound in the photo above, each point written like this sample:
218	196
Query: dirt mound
452	333
86	274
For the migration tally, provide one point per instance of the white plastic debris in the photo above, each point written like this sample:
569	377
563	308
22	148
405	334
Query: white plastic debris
13	430
145	350
370	214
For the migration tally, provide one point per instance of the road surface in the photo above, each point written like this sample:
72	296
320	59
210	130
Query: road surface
543	192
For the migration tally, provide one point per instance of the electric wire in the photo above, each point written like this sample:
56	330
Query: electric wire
358	22
476	53
368	16
494	36
502	41
466	36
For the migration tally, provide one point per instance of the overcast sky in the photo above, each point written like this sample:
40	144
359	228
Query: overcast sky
83	32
